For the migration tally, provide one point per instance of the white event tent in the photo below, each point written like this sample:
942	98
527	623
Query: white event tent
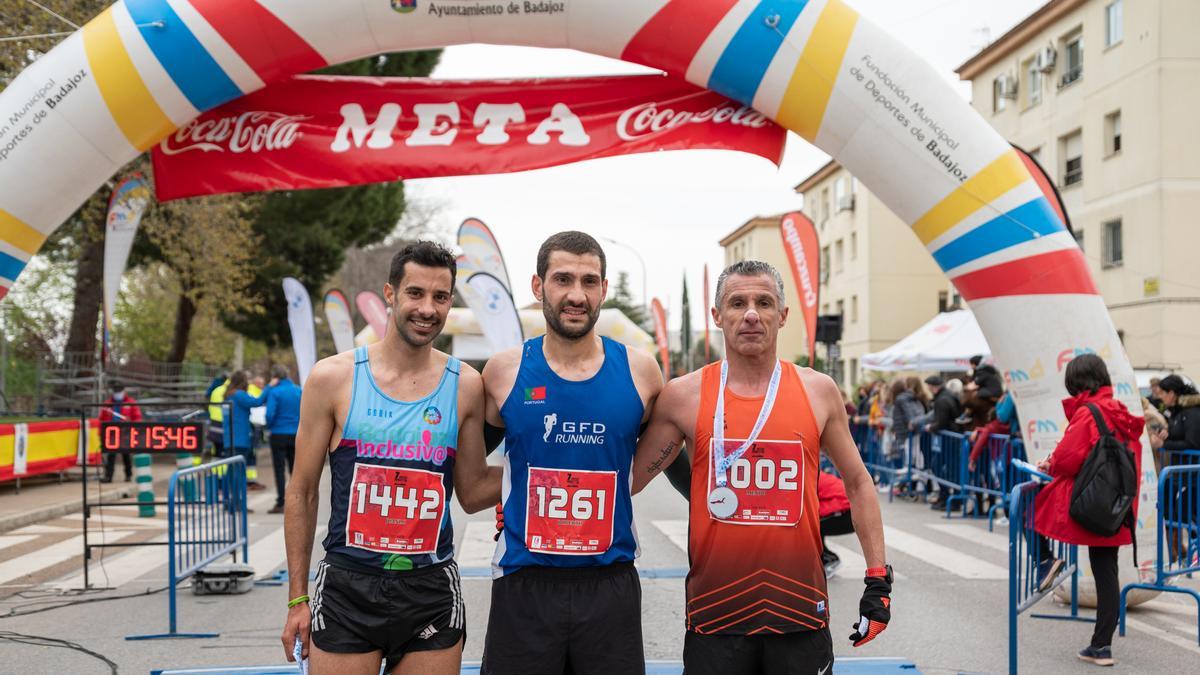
946	343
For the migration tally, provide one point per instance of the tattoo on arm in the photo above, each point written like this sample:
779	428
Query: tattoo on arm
656	465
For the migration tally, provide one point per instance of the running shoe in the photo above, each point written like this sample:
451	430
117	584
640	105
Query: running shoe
1047	571
1101	657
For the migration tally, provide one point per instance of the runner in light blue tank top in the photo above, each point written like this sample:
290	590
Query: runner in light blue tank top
393	475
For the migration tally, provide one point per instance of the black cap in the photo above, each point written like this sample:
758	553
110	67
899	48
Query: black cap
934	381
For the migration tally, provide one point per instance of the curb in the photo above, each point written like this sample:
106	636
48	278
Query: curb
60	509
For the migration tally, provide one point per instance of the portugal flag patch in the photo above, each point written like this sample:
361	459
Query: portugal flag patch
535	393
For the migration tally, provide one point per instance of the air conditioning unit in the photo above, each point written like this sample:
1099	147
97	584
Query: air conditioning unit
1045	59
1007	87
846	203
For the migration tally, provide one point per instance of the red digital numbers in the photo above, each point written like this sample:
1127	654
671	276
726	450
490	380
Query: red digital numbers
151	436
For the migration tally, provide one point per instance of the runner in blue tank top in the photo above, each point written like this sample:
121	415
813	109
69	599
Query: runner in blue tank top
565	595
402	427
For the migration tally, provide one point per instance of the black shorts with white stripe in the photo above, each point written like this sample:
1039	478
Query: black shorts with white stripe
356	610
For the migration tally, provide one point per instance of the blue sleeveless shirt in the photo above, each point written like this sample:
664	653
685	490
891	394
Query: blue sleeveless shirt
568	451
392	475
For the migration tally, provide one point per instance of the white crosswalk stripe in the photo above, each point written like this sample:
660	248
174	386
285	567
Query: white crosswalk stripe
16	540
675	530
956	562
40	559
976	535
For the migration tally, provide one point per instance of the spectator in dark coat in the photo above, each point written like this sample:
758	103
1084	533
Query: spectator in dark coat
946	406
1182	407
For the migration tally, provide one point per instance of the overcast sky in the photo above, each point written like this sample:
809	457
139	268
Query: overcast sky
673	207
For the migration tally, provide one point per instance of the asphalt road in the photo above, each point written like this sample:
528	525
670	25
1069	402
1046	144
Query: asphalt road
949	603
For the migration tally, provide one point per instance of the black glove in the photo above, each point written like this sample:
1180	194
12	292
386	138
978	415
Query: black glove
875	607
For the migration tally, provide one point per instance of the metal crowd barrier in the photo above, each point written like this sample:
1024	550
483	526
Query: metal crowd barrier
206	519
942	457
1025	556
888	467
995	475
1178	531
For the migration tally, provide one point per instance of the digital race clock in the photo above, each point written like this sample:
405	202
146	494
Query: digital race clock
151	436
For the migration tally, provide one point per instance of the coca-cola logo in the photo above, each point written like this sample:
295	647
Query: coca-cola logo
252	131
649	118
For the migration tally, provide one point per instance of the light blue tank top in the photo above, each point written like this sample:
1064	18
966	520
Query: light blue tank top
392	475
568	451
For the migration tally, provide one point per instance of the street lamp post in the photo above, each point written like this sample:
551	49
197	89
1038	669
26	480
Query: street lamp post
645	297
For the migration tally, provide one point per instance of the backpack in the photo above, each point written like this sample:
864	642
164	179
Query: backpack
1106	486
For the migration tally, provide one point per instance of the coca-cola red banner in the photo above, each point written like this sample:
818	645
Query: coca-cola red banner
800	243
318	131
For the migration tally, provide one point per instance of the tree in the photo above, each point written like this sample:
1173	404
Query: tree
211	247
307	233
621	298
685	329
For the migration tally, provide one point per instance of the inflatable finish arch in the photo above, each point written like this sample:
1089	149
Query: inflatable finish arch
145	67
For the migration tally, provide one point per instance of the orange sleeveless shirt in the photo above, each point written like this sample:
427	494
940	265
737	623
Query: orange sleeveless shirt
758	569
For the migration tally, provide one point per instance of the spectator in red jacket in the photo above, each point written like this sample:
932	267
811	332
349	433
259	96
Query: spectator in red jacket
122	408
1088	383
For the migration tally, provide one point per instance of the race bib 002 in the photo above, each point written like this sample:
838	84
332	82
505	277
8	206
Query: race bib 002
570	512
395	510
765	486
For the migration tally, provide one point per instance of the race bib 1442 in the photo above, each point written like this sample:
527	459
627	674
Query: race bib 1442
395	510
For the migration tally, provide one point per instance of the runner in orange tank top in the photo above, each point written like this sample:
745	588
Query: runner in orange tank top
756	597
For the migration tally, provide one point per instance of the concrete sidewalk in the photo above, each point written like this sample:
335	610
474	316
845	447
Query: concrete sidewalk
46	497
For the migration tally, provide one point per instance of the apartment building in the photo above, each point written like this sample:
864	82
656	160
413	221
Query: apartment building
1104	94
874	270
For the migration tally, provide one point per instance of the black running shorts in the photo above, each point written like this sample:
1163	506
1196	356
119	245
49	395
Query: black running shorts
355	611
566	620
804	653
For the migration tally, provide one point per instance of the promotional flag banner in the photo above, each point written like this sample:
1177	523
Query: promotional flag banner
372	308
481	252
366	336
707	300
321	131
800	244
494	310
300	319
128	203
660	336
341	325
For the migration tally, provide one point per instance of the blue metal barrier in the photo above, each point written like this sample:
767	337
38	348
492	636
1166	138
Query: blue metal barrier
1025	556
1178	534
994	474
941	457
206	519
888	467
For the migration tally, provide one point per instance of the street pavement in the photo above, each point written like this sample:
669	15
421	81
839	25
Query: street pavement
949	604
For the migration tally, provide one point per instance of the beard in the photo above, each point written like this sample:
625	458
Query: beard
554	321
405	330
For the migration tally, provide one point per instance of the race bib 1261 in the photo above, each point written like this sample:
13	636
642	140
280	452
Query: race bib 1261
395	510
570	512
